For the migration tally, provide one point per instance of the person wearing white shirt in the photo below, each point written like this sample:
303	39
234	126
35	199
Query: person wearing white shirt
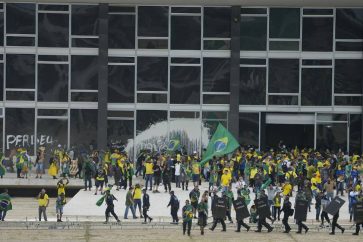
177	174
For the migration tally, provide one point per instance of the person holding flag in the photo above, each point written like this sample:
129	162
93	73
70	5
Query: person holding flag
109	198
5	204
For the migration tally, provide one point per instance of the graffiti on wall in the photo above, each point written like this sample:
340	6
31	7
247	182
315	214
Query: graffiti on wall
26	140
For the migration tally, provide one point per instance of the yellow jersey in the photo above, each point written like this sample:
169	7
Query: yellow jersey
149	168
43	201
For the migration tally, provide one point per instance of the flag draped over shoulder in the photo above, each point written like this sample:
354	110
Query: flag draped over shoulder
221	143
5	202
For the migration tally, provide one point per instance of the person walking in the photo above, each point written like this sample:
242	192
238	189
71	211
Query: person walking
145	205
109	198
288	211
240	222
187	217
335	224
149	171
129	203
203	212
137	198
43	202
5	204
194	197
174	207
59	204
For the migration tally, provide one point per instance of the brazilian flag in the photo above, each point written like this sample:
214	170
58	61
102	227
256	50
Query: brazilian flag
174	144
100	201
5	202
221	143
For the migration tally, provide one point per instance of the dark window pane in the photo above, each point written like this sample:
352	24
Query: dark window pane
253	11
53	82
63	58
84	128
153	43
349	23
119	131
52	132
1	29
153	21
20	41
355	131
217	22
1	82
53	30
216	75
282	100
215	99
284	45
248	61
120	114
215	115
283	76
313	11
185	32
20	18
331	136
317	62
20	96
84	19
349	46
181	114
152	73
152	98
185	10
285	23
53	7
52	112
348	101
84	72
20	71
19	128
185	84
348	76
121	9
121	84
185	60
316	87
145	118
85	42
216	44
84	96
253	33
249	129
121	31
317	34
115	59
252	86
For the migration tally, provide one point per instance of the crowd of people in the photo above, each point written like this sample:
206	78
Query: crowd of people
248	176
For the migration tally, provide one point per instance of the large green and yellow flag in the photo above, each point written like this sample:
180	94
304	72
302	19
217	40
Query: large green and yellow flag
5	202
221	143
174	145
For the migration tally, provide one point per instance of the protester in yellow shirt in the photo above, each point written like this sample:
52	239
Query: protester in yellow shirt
225	181
43	201
287	189
137	198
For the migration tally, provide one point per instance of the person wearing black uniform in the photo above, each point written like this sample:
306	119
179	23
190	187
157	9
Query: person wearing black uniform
335	224
301	196
215	219
241	222
145	206
286	208
110	206
262	218
174	207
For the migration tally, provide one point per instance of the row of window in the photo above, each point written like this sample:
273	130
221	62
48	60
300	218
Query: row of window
149	27
284	81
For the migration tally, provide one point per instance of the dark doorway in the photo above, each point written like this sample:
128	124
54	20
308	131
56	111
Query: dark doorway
300	135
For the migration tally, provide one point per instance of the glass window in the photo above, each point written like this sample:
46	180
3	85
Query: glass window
216	73
84	128
291	135
145	118
20	95
20	41
152	43
282	100
348	101
355	134
349	23
152	98
120	131
217	22
284	45
252	90
121	84
84	96
19	128
20	18
331	136
215	99
185	84
185	32
52	7
52	132
253	33
20	71
121	31
316	86
1	29
285	23
84	72
153	21
249	129
53	82
348	76
152	73
84	20
283	76
317	34
53	30
1	82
